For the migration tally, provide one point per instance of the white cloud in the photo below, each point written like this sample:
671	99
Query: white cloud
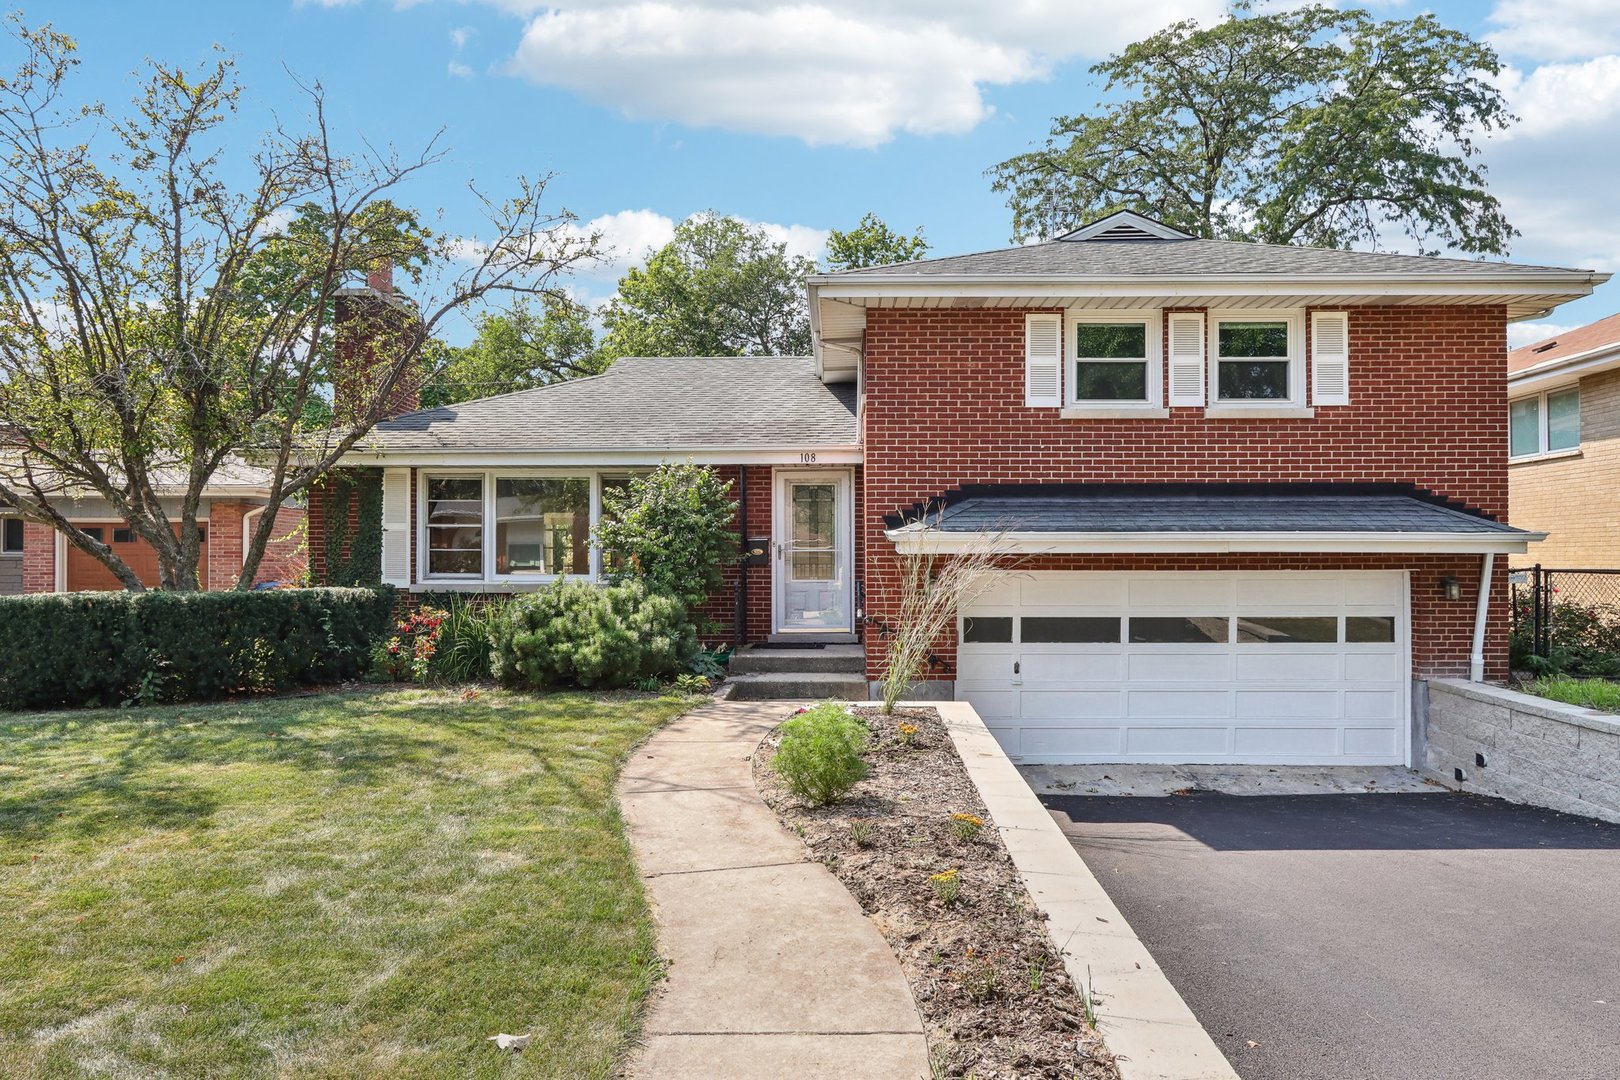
1527	333
461	35
826	71
1555	29
1552	97
459	70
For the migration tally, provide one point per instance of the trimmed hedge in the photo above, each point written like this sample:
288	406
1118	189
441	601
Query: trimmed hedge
111	648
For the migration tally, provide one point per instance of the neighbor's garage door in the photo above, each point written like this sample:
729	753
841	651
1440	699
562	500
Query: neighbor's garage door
85	574
1260	668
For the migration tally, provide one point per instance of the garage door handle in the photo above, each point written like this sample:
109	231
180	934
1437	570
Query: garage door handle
1016	667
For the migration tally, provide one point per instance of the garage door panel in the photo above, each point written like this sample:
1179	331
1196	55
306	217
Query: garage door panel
1186	666
1274	742
1186	595
1337	692
1071	704
1067	591
1270	594
1372	704
984	665
1186	743
1372	667
1285	664
1286	704
993	706
1178	704
1073	741
1382	743
1070	668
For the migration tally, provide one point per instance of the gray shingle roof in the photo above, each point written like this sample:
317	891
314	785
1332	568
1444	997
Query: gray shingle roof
1062	258
1239	513
646	403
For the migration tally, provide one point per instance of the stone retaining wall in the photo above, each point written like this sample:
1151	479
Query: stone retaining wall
1523	748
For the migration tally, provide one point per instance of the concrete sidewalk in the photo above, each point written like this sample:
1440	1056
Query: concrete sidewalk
773	968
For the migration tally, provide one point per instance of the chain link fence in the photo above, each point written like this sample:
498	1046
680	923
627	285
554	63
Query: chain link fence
1566	621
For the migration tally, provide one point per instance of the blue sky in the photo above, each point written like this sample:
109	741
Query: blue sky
804	117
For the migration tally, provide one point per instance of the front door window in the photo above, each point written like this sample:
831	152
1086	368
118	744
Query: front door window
815	556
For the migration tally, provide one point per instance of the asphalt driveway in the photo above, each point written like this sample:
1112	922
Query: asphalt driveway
1373	936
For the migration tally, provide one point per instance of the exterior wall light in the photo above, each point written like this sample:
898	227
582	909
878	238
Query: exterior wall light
1451	588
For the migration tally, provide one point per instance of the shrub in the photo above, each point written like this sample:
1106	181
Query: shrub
577	634
79	649
465	641
819	758
1584	641
672	528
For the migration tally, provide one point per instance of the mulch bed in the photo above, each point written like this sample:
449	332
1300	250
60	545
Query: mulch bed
993	993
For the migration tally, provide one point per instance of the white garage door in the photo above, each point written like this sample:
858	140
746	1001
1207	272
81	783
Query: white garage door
1299	668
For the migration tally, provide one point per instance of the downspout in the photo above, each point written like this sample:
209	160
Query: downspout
1476	660
742	568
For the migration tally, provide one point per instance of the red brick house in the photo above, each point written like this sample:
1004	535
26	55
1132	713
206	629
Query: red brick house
35	558
1257	493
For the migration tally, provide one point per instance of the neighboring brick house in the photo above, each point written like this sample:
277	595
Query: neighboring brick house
35	558
1564	445
1253	491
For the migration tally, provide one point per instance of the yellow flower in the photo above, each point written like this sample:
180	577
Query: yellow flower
948	875
971	819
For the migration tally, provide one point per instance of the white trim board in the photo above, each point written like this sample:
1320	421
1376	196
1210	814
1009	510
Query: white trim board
915	538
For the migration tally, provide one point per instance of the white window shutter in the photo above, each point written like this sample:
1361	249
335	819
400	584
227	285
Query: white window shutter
1330	358
1043	361
1186	358
396	523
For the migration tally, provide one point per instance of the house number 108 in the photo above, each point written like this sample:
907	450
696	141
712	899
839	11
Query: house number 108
807	458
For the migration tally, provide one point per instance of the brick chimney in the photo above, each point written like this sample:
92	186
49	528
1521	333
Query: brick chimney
372	325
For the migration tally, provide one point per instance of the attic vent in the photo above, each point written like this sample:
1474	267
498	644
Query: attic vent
1553	344
1124	231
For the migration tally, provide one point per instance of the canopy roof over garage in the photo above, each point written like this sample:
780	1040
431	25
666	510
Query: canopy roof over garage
1060	519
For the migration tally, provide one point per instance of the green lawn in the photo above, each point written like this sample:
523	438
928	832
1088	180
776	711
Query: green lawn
334	885
1601	694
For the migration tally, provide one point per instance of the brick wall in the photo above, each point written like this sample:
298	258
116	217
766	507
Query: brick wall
945	406
285	556
39	558
1576	499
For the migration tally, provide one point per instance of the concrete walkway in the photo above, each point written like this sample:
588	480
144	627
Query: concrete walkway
773	969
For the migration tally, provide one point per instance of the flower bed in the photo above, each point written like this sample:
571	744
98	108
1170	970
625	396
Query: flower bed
914	845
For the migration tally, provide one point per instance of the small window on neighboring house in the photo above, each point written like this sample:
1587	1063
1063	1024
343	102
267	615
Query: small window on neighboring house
1115	361
92	531
123	536
1545	423
11	536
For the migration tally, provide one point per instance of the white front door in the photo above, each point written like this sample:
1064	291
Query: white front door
1284	668
814	537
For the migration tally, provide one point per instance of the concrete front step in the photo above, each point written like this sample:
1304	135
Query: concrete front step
759	659
798	685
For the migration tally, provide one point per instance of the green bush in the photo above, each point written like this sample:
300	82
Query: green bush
595	636
819	757
465	639
1584	641
86	649
674	528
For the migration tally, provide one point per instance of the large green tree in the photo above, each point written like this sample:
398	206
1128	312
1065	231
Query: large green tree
721	287
166	302
1308	126
872	243
525	346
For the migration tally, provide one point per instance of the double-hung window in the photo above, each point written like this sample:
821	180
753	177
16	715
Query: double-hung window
455	526
1116	360
1258	360
11	536
1545	423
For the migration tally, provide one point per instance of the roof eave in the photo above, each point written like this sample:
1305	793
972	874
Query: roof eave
910	539
1566	368
1576	283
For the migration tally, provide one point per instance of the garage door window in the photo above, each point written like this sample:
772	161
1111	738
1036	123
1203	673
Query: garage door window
1051	630
1287	629
1369	629
987	631
1178	630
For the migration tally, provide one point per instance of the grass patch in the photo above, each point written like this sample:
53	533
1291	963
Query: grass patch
324	886
1589	693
